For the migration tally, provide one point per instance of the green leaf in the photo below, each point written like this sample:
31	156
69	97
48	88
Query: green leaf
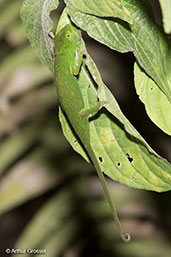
122	153
122	37
70	135
37	23
166	11
156	103
102	8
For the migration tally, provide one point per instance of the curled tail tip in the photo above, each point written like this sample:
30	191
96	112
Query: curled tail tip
126	237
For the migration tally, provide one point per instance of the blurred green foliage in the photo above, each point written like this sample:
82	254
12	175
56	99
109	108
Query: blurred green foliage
36	161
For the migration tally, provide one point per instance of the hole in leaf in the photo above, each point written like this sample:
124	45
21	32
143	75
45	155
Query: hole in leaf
134	179
118	164
75	141
100	159
152	88
130	159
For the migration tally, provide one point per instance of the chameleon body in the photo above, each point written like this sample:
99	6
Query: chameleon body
72	103
69	93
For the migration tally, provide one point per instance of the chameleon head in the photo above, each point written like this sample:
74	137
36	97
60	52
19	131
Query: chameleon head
65	39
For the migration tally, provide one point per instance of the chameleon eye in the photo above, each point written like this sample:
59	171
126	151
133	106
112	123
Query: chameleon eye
69	35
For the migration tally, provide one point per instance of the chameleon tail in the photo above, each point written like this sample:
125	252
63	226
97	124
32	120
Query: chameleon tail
125	236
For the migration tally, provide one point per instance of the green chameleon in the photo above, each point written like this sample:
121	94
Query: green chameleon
71	101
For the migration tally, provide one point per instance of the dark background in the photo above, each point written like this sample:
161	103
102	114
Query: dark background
38	163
